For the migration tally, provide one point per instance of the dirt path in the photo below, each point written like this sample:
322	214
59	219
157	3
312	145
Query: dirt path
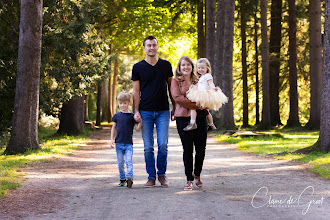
84	186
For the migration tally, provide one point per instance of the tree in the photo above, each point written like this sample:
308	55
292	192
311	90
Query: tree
72	116
210	30
24	134
256	48
227	111
265	122
201	29
244	66
274	61
315	47
324	138
293	120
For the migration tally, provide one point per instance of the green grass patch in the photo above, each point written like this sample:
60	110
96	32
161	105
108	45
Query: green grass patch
51	144
286	141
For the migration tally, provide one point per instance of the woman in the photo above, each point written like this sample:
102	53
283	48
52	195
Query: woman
179	86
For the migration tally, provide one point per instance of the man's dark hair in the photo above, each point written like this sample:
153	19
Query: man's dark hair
149	38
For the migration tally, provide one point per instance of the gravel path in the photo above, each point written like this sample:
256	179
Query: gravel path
236	186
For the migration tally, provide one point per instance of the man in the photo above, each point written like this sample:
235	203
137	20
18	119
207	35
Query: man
151	81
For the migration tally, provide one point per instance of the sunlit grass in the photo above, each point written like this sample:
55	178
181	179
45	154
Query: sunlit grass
52	145
288	141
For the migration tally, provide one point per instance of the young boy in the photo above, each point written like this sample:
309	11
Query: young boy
123	124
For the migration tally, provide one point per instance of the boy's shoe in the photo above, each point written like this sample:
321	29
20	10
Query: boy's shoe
122	182
129	182
211	127
190	126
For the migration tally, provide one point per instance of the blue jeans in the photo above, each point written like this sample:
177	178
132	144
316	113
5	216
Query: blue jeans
162	121
125	153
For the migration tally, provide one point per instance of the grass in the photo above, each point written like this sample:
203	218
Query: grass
52	145
285	141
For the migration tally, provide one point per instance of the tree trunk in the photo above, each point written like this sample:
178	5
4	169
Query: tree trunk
244	66
256	63
86	107
104	101
110	113
293	120
265	122
315	44
72	117
227	110
24	133
274	61
114	86
210	30
218	56
98	104
324	138
200	29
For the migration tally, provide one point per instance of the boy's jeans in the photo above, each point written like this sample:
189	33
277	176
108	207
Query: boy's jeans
125	153
162	120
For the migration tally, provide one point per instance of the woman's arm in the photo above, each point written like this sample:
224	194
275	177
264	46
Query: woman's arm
180	98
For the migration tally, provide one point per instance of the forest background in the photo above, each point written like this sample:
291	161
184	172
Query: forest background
89	48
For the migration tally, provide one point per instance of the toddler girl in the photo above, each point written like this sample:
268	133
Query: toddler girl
205	94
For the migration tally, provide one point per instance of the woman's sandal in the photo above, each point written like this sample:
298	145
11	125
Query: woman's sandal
198	182
188	186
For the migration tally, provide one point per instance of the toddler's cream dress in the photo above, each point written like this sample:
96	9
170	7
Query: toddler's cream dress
204	96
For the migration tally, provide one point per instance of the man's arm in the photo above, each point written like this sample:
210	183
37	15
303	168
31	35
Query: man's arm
169	81
136	100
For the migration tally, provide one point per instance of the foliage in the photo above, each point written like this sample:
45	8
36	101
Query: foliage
9	23
52	145
74	56
287	141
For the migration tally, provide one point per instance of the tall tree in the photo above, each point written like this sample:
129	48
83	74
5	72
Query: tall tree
98	104
265	122
293	120
218	56
210	30
24	134
256	48
72	116
244	66
227	111
324	138
274	61
315	47
114	84
201	29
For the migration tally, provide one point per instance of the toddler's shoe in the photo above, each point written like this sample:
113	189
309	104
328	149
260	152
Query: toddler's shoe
129	182
122	182
190	126
211	127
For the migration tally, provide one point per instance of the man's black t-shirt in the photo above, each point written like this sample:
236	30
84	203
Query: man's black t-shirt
153	84
124	124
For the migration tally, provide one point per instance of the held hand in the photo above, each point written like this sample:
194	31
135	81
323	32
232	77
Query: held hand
137	116
112	143
172	115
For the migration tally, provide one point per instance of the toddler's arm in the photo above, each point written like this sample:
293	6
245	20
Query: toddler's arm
113	131
138	126
211	83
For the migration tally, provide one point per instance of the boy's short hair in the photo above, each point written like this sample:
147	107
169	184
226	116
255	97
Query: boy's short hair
124	96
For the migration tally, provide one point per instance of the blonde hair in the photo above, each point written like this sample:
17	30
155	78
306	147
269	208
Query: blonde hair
207	62
178	72
124	96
